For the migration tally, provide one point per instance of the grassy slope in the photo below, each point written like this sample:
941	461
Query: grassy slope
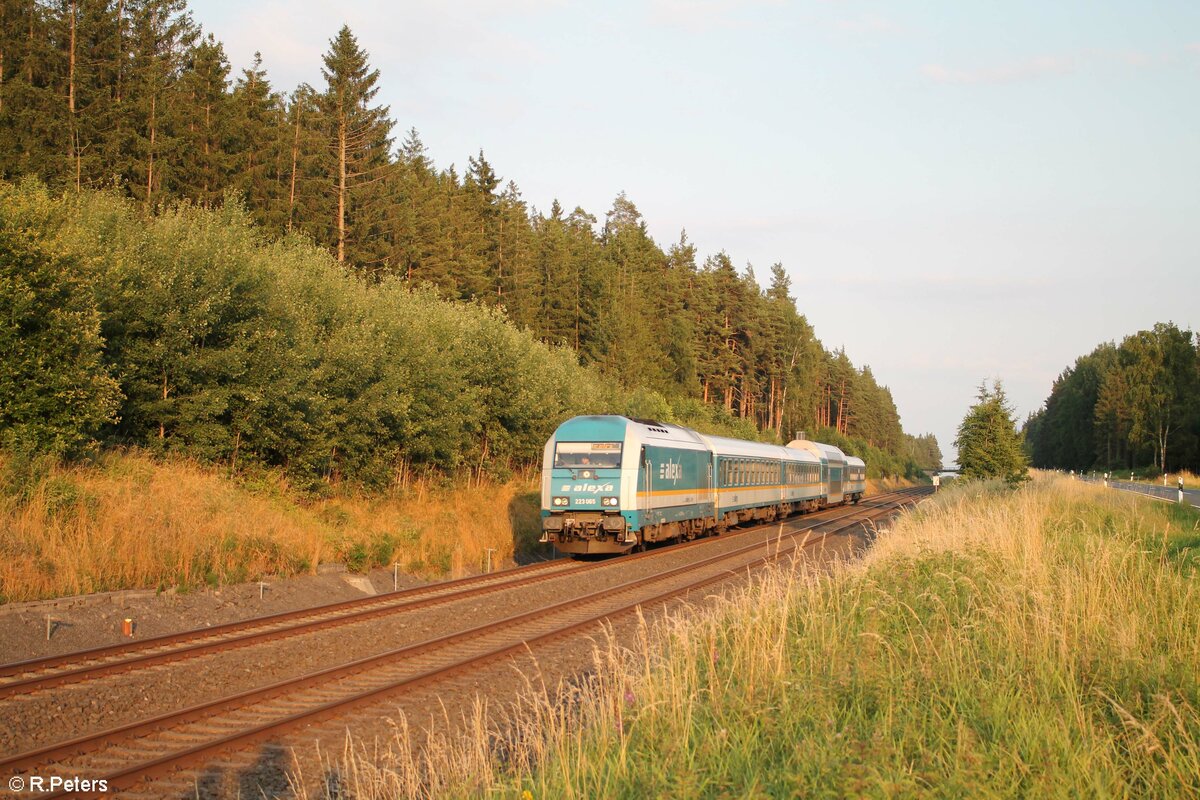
1042	643
129	521
1038	643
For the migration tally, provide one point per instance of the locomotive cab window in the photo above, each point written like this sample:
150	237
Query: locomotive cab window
582	455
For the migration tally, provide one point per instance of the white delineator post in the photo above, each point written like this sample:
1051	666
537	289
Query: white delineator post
1180	500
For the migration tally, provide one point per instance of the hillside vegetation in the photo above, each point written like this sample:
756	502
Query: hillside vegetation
191	332
127	520
1038	642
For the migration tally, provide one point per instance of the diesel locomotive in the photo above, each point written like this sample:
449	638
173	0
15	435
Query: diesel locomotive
611	484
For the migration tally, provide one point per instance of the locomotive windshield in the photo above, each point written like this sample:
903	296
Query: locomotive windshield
576	455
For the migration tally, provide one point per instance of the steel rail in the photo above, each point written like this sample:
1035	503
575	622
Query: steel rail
221	638
81	744
117	780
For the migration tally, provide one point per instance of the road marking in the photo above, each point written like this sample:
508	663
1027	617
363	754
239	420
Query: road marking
1145	492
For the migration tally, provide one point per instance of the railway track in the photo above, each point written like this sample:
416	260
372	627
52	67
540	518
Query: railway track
128	755
42	673
39	674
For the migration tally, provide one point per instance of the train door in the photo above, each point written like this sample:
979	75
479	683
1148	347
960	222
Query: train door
644	485
710	487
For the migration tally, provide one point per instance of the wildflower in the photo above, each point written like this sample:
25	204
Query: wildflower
629	697
526	795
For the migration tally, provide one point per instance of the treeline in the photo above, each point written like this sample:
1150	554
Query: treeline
1132	405
130	97
191	332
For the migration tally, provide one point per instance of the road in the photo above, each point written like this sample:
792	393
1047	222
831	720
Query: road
1171	493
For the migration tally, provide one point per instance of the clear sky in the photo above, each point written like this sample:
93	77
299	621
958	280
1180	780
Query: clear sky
959	190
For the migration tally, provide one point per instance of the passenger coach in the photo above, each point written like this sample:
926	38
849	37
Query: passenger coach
610	483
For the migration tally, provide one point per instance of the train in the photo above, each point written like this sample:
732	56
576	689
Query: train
612	484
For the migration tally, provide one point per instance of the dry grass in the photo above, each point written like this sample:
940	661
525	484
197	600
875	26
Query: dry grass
885	485
1033	643
130	521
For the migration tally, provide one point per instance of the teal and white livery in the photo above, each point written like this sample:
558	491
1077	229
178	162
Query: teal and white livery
611	484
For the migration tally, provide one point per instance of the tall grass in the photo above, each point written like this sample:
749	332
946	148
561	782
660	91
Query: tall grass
1041	642
130	521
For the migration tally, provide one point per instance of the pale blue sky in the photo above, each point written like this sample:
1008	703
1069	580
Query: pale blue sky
959	190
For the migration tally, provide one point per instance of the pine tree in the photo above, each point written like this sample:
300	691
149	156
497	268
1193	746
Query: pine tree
988	443
359	139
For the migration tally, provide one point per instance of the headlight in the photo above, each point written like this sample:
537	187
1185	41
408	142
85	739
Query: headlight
610	501
560	501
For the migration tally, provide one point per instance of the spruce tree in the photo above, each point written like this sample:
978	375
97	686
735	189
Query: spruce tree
988	443
161	34
33	113
95	115
259	145
205	126
304	203
359	139
516	277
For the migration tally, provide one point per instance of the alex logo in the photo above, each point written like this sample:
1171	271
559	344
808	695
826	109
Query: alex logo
670	471
594	488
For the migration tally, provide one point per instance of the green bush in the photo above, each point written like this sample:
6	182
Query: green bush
55	389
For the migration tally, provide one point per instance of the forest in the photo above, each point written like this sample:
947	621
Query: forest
272	278
1131	405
